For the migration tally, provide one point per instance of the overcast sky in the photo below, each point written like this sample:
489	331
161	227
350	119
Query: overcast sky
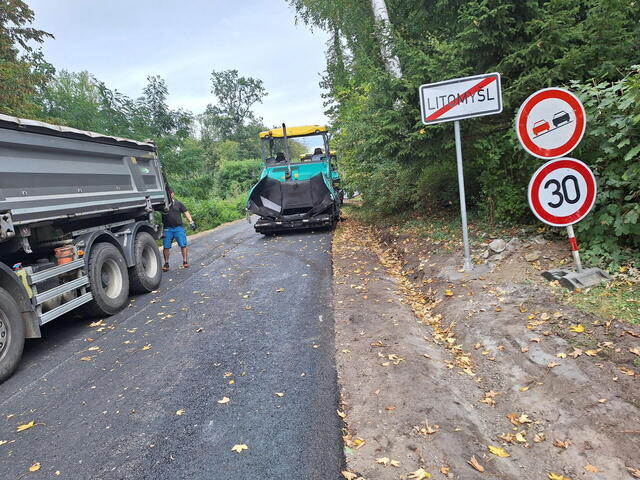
123	41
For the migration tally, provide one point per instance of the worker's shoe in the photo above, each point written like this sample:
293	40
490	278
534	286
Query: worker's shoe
165	267
185	264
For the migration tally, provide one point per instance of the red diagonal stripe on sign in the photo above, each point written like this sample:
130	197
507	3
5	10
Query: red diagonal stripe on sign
460	98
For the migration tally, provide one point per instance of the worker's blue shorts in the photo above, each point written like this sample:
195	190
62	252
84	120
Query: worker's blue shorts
175	232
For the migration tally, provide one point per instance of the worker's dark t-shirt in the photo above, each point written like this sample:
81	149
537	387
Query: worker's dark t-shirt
173	218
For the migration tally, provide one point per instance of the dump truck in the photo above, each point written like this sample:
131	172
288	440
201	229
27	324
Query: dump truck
76	226
296	194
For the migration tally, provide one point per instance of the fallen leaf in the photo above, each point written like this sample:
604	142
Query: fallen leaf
35	467
524	389
545	316
635	351
561	444
633	471
394	463
147	347
280	394
341	414
358	442
224	400
577	328
591	353
180	412
91	349
26	426
383	461
239	447
448	293
555	476
280	290
489	398
552	364
591	468
444	470
420	474
349	475
86	359
475	464
498	452
627	371
539	437
576	353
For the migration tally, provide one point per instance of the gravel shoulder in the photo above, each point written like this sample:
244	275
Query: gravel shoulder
433	372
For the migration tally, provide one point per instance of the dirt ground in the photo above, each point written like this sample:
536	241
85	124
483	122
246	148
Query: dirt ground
481	378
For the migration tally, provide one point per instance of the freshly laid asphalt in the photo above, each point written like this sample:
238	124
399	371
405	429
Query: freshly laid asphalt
251	318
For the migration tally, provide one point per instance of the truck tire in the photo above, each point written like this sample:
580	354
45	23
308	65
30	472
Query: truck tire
11	335
109	280
146	275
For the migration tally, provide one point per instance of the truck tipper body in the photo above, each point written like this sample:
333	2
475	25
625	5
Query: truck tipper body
298	194
76	226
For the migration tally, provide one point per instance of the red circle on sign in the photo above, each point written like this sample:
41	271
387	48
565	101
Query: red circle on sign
534	190
523	116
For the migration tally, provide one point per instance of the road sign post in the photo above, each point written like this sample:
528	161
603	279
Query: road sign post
454	100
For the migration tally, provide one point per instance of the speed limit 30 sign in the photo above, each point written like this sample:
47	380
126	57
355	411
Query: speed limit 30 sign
562	192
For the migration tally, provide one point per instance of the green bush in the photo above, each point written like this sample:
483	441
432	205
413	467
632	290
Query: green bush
210	212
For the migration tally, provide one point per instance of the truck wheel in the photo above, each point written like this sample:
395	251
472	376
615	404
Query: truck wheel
11	335
109	280
146	275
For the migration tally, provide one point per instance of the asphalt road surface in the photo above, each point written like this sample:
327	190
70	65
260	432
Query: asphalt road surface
251	320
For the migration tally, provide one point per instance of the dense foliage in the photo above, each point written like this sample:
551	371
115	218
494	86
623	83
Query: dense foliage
210	160
398	165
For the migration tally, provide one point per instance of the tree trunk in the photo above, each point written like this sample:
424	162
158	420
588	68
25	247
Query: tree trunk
381	16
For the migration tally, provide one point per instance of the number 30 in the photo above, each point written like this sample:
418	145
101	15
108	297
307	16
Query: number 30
561	191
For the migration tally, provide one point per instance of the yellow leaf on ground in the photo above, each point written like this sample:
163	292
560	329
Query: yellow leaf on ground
341	414
444	470
35	467
147	347
448	293
577	328
635	351
475	464
224	400
26	426
591	468
498	452
555	476
561	444
180	412
239	447
635	472
280	290
86	359
280	394
349	475
420	474
394	463
383	461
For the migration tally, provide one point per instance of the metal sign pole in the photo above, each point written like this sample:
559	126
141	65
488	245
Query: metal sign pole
574	248
468	266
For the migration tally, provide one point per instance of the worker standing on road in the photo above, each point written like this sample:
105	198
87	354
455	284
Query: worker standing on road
173	229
